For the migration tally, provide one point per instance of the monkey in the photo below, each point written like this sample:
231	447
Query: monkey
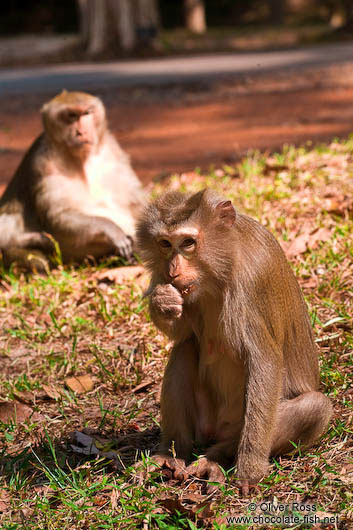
242	378
74	185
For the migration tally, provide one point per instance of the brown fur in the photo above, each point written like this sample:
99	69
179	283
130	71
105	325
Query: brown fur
76	183
243	374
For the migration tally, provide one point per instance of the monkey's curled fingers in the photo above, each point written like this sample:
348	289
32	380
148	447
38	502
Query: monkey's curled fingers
206	469
167	300
245	486
177	467
124	246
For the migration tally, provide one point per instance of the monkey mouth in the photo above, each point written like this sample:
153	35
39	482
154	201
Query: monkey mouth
184	291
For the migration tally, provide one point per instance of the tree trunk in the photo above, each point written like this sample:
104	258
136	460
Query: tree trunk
83	17
147	21
97	35
123	14
277	9
195	18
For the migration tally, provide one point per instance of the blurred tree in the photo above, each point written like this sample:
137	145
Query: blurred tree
147	21
347	25
277	11
195	18
122	23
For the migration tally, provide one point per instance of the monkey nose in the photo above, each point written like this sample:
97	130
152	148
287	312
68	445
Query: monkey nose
172	276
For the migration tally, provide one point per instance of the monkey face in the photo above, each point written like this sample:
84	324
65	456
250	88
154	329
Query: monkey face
178	251
74	120
79	129
189	240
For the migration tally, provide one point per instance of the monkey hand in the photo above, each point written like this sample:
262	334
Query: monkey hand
206	469
167	301
123	244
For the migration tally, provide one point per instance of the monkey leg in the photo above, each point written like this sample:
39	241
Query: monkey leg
37	240
29	260
301	420
178	405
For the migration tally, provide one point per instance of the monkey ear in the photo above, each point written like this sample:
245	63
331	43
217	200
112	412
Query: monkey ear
226	213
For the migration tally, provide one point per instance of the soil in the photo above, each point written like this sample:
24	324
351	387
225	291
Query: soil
177	128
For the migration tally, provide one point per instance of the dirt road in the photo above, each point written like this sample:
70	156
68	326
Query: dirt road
175	128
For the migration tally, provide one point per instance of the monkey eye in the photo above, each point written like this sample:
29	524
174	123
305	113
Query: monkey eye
164	243
69	116
188	243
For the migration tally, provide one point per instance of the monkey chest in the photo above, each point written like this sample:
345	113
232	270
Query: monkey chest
96	170
220	398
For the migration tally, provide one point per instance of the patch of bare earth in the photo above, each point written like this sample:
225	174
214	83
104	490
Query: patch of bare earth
180	127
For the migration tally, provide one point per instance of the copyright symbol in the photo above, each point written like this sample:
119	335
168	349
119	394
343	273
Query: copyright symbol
252	506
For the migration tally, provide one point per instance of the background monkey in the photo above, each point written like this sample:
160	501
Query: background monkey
75	183
243	374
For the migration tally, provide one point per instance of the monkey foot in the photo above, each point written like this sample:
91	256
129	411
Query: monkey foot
168	465
206	469
245	486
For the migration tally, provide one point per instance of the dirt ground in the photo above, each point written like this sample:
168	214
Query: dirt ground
177	128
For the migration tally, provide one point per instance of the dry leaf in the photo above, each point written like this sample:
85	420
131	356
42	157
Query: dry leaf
25	397
114	498
20	352
142	386
323	234
347	469
80	384
311	283
307	238
51	392
16	412
4	501
174	505
120	274
203	510
297	246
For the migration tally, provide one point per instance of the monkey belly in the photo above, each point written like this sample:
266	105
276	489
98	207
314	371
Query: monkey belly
119	216
220	397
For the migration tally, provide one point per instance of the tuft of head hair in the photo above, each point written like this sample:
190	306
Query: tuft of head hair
71	99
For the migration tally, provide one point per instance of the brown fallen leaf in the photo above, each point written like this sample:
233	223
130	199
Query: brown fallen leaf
347	469
204	510
51	392
323	234
16	412
297	245
80	384
4	501
174	505
307	239
143	386
120	274
311	283
339	205
25	397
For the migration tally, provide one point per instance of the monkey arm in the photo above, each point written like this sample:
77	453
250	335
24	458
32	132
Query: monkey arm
262	395
79	234
166	310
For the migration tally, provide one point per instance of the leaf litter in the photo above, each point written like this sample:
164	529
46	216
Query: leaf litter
93	323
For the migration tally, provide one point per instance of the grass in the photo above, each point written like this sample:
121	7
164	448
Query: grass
70	323
244	38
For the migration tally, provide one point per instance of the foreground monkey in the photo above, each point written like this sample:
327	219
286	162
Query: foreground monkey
243	375
75	183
